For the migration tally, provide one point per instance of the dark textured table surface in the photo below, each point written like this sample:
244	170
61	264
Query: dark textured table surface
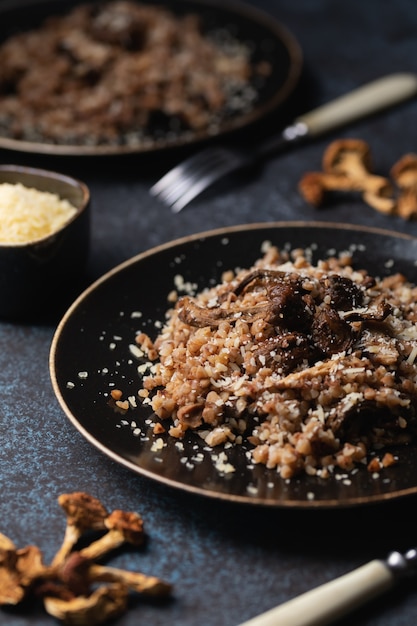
227	562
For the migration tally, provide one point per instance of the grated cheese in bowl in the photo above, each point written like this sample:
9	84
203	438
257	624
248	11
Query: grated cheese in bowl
28	214
44	240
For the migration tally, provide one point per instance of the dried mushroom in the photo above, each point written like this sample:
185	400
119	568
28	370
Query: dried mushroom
352	158
19	570
404	173
83	513
347	167
122	527
79	572
74	588
103	604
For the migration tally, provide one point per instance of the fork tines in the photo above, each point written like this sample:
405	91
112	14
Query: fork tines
188	179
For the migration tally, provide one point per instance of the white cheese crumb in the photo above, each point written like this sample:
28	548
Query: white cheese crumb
158	444
135	351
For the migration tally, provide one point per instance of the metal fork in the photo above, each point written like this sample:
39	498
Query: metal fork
186	181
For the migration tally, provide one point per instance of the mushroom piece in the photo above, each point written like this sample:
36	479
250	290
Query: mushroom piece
353	422
314	186
122	527
84	512
75	589
347	167
404	174
341	292
6	544
316	320
285	300
191	414
136	581
330	333
73	596
19	569
259	276
78	573
103	604
194	315
284	352
378	312
352	158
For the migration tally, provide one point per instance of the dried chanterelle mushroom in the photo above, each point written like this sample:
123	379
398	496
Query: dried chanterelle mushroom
19	568
404	174
122	527
347	167
74	588
83	513
103	604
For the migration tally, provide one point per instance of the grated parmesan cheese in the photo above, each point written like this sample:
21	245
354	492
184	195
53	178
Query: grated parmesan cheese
27	214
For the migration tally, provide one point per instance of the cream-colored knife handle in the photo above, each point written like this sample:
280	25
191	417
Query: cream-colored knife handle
332	600
363	101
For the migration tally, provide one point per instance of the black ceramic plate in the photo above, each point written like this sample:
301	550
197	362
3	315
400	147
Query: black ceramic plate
267	39
90	353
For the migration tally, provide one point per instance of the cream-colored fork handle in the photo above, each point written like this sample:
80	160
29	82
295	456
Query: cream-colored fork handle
374	96
332	600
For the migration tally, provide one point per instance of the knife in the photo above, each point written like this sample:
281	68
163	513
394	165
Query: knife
335	599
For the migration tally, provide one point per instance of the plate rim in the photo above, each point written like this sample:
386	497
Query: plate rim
185	487
213	232
261	17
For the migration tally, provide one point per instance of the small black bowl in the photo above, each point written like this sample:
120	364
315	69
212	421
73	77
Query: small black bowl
40	277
